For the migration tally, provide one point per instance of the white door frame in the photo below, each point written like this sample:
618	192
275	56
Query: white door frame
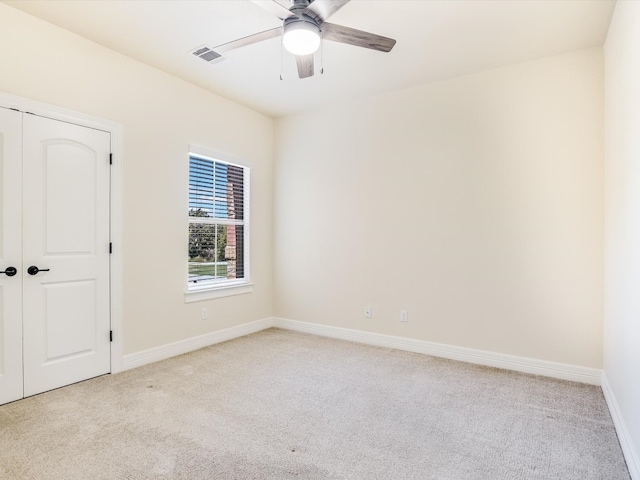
116	267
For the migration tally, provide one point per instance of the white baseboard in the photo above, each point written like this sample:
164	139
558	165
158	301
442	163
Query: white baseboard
163	352
628	449
510	362
480	357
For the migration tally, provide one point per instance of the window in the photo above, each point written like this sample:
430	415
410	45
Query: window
218	222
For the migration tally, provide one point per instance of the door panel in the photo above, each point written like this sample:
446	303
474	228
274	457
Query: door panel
10	255
70	318
66	230
70	212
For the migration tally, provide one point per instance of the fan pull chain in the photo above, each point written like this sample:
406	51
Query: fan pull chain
321	53
281	55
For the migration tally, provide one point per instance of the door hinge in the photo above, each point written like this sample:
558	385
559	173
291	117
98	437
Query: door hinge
111	335
111	159
110	247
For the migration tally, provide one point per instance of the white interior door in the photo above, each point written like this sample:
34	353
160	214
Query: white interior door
10	255
66	320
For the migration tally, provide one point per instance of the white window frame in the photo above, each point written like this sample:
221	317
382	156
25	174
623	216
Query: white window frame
196	293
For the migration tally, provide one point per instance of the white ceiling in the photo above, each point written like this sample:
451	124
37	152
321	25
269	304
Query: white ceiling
436	39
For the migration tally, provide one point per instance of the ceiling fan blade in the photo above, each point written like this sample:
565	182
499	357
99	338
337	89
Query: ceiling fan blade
320	10
255	38
351	36
305	65
272	6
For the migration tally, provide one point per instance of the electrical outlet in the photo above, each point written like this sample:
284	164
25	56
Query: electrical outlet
404	316
367	312
204	314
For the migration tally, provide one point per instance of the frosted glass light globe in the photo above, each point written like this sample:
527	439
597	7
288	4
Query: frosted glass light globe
301	38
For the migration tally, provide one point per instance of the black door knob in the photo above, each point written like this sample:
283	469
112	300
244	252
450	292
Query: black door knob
10	271
33	270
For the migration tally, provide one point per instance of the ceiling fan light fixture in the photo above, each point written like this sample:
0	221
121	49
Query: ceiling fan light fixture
301	37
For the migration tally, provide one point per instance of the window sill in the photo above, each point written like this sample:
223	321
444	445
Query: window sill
211	292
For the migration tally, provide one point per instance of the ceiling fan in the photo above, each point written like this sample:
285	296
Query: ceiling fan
303	27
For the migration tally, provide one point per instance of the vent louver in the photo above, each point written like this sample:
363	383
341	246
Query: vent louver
208	55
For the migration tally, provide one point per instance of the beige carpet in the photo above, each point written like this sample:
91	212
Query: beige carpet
283	405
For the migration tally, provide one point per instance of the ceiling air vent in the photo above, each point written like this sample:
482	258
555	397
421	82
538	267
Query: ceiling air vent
208	55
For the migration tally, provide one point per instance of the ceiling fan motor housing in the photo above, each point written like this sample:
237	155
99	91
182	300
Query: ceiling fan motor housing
298	8
301	3
301	21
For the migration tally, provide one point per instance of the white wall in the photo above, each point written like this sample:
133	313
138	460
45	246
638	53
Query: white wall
622	227
161	116
475	203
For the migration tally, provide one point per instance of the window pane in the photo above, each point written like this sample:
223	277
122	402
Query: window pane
231	249
216	252
235	192
202	252
201	189
215	189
